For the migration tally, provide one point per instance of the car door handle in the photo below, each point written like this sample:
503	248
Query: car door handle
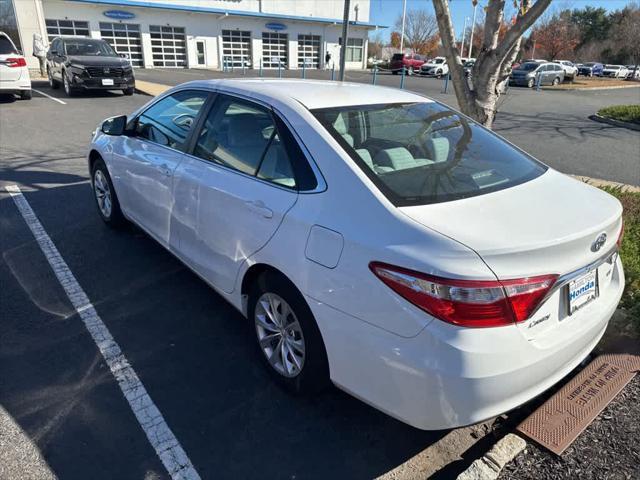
165	170
259	207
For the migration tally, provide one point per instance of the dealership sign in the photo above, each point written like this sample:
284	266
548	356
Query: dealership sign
119	14
276	26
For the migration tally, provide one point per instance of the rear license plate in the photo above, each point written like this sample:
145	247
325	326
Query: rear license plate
583	290
107	81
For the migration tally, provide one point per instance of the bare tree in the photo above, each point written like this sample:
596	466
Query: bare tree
494	60
420	28
627	33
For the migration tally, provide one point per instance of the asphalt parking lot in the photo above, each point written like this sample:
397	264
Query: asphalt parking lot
190	349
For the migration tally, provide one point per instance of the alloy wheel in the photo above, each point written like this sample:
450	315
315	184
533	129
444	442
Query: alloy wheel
279	335
103	193
65	82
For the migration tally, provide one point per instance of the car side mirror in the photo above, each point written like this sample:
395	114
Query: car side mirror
114	125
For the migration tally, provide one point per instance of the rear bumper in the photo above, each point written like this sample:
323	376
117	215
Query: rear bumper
447	376
519	81
15	86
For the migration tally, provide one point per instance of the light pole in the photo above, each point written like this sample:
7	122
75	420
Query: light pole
345	33
473	26
464	30
404	14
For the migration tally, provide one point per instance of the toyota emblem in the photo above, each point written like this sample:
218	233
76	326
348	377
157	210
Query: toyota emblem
599	242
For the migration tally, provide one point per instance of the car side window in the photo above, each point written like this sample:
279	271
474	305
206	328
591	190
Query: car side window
55	46
169	121
243	136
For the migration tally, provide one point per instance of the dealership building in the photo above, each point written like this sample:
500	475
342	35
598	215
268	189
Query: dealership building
212	34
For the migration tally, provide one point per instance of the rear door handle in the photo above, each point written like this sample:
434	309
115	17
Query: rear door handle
165	170
259	207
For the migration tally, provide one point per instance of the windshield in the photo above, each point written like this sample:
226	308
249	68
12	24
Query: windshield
439	60
421	153
529	66
397	56
470	63
95	48
589	64
611	67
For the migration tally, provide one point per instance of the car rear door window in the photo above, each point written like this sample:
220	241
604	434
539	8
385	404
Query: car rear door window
247	137
169	121
6	46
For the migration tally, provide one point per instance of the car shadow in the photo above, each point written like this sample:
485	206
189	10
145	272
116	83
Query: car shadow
193	352
7	98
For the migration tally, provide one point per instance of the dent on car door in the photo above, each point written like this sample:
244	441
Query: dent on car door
144	161
233	192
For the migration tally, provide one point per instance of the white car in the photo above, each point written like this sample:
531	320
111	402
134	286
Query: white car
570	69
14	74
615	71
372	237
633	72
435	67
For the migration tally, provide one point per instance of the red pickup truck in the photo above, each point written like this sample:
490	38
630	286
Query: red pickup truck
410	62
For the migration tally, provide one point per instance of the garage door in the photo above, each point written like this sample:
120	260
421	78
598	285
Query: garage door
236	48
274	46
124	38
66	28
168	46
309	50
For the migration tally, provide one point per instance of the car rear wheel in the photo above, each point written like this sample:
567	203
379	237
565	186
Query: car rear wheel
287	336
556	81
105	195
26	95
531	83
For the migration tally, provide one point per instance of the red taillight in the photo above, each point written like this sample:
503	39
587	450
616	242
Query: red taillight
620	235
469	303
16	62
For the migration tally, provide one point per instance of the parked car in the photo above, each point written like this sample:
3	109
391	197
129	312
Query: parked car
411	63
436	67
530	73
88	64
591	69
633	71
570	69
468	66
14	74
342	221
615	71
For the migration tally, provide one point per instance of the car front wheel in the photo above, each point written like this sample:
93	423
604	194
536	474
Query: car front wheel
556	81
531	83
128	91
68	90
26	95
52	83
287	336
105	195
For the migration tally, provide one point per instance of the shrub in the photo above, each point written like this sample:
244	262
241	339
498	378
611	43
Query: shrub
624	113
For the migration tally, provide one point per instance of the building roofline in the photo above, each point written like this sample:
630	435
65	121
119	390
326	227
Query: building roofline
225	12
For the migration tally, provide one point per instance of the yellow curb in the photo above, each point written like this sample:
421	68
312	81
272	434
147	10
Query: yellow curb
597	182
150	88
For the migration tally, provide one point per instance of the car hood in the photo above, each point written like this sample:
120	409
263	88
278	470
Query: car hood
433	65
97	61
547	225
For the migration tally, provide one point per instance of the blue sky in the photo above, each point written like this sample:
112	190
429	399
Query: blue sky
385	12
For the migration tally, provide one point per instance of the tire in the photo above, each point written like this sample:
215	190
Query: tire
26	95
439	74
52	83
128	91
531	83
304	368
394	72
103	191
68	90
556	81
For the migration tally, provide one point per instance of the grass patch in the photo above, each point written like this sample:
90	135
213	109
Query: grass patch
630	250
624	113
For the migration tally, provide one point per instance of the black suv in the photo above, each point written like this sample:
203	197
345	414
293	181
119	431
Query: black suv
88	64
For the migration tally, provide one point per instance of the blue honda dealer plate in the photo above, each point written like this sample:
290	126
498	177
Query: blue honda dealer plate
583	290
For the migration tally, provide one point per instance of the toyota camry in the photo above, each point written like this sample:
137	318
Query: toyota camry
374	238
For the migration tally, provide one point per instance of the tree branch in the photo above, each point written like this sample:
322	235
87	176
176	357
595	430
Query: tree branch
522	25
492	24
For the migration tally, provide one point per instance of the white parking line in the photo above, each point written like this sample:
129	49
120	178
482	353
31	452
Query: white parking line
160	436
49	96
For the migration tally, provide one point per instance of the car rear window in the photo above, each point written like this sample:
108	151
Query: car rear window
6	47
421	153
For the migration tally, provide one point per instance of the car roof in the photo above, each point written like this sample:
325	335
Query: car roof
311	93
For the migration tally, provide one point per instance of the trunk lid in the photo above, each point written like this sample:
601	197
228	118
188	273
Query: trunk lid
545	226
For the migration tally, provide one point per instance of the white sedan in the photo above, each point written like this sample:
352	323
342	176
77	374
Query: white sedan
14	74
372	237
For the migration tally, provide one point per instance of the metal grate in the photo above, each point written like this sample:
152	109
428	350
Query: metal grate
559	421
110	72
124	38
